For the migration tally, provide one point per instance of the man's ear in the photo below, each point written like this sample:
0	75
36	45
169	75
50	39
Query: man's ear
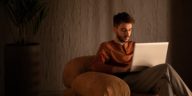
114	29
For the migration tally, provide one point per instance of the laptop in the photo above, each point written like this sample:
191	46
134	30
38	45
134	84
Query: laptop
148	55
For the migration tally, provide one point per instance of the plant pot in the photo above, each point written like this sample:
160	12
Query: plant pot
22	69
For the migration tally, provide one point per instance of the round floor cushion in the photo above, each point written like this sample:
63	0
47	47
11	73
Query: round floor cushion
99	84
74	68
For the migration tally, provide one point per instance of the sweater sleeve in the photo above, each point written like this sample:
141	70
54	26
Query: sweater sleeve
102	62
99	62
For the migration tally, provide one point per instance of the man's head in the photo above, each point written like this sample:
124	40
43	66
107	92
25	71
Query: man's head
123	23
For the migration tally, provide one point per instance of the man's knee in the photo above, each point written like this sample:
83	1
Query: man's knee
166	66
162	67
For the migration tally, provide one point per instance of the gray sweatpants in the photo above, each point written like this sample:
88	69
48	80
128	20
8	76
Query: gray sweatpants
161	78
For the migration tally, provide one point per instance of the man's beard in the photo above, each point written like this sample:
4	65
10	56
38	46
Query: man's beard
122	39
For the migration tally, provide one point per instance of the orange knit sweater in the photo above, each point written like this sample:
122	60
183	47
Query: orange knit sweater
113	57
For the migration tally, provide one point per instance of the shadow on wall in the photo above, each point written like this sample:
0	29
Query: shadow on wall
1	62
1	55
1	70
180	37
4	32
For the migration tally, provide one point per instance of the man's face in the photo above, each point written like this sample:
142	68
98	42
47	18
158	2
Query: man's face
123	31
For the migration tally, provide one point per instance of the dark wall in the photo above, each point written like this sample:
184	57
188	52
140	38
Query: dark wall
181	35
3	27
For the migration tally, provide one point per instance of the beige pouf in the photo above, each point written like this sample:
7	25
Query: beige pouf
99	84
74	68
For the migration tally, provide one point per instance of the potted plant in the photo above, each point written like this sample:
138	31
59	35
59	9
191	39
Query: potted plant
22	56
26	15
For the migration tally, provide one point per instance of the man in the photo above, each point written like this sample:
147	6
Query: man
115	57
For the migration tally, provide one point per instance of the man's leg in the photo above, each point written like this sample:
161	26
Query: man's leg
177	83
150	78
147	79
165	88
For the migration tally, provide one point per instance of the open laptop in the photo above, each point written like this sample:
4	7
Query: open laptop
148	55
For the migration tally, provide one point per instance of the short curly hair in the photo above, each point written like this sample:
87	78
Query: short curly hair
122	17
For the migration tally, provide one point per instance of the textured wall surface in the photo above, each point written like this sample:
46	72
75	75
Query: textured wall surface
76	27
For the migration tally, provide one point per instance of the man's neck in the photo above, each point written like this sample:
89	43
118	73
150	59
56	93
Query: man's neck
118	41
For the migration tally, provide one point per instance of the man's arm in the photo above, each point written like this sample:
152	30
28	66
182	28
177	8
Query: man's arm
99	63
100	66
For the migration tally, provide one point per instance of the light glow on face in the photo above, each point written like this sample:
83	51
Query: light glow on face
123	31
